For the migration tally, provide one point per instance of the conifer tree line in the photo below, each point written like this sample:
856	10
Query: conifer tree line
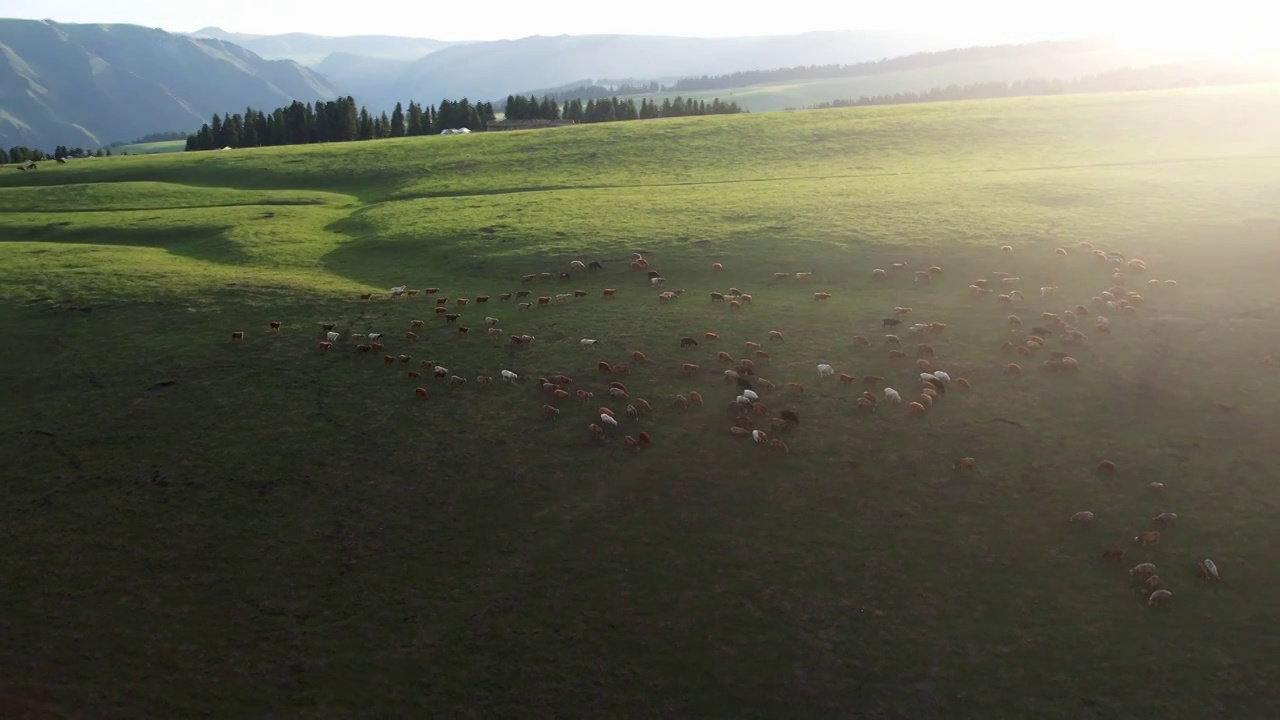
335	121
341	121
22	154
611	109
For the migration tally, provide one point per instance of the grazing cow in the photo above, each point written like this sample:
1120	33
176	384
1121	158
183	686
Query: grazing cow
688	368
523	294
441	300
594	265
544	300
609	292
463	330
579	293
711	336
451	318
790	417
420	392
1147	538
717	297
687	342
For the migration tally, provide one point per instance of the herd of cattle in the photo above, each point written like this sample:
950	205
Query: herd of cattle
748	406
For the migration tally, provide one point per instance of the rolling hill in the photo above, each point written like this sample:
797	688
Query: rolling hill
1057	60
89	85
311	50
206	516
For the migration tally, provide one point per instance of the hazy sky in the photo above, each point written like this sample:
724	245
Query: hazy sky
968	20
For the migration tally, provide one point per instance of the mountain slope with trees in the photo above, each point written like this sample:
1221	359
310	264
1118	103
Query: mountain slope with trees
90	85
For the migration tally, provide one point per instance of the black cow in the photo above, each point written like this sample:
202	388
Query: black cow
790	417
890	322
595	266
687	341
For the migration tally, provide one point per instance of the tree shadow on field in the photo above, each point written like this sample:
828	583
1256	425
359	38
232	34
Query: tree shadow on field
207	243
367	258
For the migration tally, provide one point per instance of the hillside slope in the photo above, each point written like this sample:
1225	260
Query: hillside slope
495	69
88	85
311	50
262	521
1062	61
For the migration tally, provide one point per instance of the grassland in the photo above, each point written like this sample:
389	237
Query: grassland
195	526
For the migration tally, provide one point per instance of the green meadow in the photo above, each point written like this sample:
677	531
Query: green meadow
200	526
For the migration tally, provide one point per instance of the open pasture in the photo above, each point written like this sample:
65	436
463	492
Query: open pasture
196	524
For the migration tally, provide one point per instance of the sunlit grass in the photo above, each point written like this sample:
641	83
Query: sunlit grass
268	527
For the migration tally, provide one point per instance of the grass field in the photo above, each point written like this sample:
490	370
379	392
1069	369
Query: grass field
200	527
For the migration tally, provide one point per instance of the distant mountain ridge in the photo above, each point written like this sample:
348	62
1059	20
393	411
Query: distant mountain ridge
311	50
89	85
492	70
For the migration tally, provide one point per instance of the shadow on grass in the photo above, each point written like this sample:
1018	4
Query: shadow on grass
267	202
207	243
367	185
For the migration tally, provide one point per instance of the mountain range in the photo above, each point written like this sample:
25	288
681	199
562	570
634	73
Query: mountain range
311	50
495	69
88	85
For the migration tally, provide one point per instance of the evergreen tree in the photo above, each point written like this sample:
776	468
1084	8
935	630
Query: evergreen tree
366	124
413	120
397	122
